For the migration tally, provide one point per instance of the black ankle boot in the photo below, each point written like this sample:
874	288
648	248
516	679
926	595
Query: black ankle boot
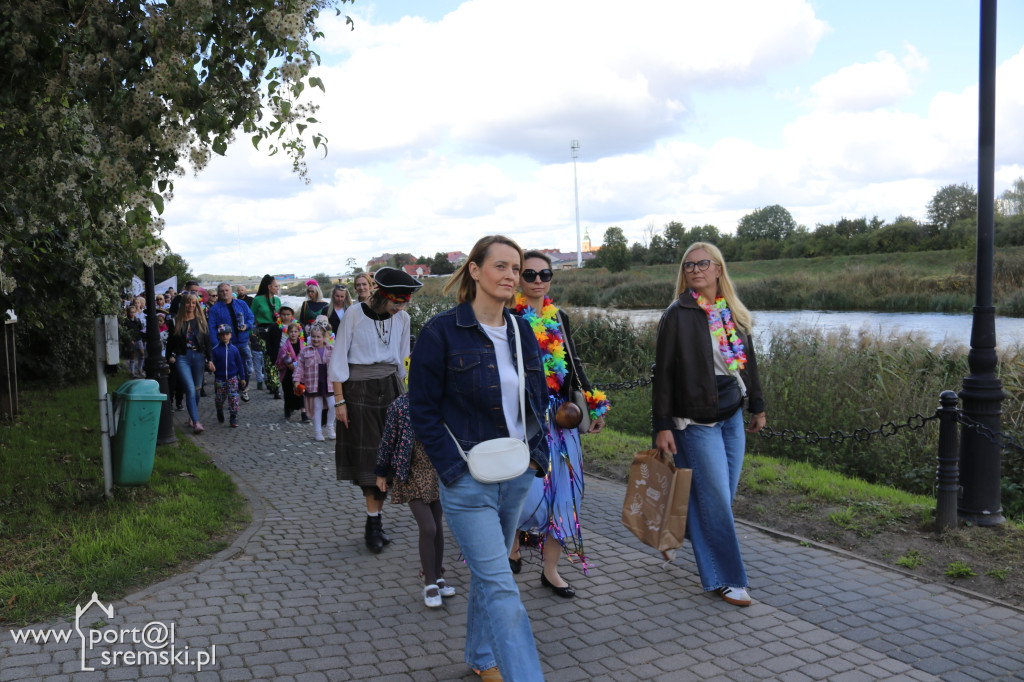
374	542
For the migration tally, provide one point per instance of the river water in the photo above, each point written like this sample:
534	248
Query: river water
934	328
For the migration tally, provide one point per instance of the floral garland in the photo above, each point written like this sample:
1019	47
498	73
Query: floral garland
598	403
723	329
549	335
552	346
284	329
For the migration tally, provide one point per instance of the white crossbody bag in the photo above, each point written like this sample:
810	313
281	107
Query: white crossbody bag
501	459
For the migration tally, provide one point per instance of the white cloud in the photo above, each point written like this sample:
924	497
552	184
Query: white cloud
495	77
865	87
441	132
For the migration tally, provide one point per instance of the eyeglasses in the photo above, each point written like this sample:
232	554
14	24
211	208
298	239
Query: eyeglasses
531	275
700	266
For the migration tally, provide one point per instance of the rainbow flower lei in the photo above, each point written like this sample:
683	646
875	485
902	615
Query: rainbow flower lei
552	347
284	329
724	331
549	335
598	403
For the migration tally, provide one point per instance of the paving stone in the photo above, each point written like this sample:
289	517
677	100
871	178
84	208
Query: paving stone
298	597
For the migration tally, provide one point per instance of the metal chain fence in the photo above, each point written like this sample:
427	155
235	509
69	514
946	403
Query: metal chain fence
623	385
1003	440
836	436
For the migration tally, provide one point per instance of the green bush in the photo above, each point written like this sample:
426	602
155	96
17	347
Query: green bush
850	383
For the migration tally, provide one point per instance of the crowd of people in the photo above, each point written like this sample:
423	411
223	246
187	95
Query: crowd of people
500	368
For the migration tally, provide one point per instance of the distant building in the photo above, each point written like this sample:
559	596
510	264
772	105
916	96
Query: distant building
561	260
283	277
417	271
378	261
456	257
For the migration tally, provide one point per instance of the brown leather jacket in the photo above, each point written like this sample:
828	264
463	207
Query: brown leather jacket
684	371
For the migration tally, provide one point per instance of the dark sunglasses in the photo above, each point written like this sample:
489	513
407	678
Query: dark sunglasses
531	275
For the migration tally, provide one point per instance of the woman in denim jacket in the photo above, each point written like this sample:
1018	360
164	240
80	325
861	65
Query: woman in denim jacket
463	375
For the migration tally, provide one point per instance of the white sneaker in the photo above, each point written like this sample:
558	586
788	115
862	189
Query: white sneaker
318	436
737	596
330	432
444	589
432	601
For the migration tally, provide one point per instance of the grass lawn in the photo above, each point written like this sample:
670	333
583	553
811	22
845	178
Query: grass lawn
60	540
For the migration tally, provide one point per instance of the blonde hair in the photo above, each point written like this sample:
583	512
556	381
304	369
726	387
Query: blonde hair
726	290
369	280
348	296
319	292
179	322
466	284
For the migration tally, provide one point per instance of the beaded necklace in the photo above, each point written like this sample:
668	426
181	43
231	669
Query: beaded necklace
723	329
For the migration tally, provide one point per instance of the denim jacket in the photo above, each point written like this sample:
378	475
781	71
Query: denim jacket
453	380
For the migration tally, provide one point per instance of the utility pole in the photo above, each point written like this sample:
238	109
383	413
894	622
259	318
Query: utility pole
574	149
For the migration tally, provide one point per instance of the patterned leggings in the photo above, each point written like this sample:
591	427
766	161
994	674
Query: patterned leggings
227	391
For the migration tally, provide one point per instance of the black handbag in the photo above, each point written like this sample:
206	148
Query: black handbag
730	399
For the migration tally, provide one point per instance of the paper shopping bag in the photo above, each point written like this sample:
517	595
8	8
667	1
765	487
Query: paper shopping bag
657	497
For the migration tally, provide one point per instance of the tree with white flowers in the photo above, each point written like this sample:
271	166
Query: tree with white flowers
103	103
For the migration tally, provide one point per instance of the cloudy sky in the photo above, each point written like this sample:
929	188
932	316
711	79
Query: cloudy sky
451	120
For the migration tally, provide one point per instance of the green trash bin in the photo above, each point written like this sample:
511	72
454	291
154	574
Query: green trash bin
138	404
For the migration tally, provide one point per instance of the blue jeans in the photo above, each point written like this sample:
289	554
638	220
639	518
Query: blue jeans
246	353
483	517
715	454
190	368
257	364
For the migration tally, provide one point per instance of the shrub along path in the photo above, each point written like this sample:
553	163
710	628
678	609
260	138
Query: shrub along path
299	597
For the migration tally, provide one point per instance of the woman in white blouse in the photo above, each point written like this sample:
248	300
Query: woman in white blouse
367	369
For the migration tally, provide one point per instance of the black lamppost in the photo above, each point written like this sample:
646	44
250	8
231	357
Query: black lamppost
156	367
982	392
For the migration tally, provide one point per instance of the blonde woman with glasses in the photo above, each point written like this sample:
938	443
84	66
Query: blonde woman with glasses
705	374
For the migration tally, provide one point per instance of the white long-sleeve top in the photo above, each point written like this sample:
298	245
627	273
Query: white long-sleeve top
358	342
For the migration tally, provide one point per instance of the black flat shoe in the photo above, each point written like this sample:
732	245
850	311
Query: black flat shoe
515	564
567	592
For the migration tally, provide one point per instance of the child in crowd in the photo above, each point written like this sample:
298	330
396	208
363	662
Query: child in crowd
287	358
137	344
403	466
228	375
311	370
287	317
161	319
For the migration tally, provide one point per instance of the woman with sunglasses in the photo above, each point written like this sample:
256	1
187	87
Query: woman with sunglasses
340	301
705	372
551	509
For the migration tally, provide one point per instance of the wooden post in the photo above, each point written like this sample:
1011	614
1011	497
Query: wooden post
8	371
